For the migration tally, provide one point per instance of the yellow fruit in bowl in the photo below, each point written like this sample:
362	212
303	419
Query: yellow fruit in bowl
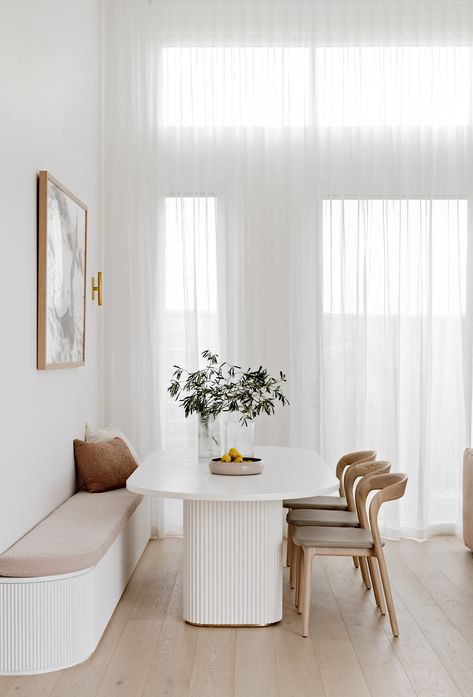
238	459
233	452
226	458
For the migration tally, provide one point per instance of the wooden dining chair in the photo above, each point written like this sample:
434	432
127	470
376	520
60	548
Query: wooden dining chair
329	503
366	541
333	502
354	475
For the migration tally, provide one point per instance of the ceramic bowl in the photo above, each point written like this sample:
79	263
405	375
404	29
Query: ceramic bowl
253	465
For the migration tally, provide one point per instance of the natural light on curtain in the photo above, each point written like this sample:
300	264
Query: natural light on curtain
190	235
309	166
388	258
353	86
235	86
393	86
394	312
190	321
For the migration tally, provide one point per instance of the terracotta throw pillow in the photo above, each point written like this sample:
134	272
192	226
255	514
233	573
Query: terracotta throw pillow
105	465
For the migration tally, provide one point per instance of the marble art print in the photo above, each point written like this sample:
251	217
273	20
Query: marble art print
61	281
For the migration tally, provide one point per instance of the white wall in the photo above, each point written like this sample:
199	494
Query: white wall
49	119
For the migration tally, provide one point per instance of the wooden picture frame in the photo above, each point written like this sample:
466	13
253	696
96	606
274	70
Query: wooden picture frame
62	269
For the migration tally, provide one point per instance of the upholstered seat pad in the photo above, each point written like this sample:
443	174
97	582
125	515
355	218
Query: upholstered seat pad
337	503
73	537
352	538
304	516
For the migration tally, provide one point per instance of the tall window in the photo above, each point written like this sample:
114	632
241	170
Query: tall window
235	86
191	271
334	86
394	339
395	86
393	257
191	293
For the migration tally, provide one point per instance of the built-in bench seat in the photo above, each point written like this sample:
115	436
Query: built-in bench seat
60	583
73	537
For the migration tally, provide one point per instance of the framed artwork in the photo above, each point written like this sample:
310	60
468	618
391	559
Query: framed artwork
62	256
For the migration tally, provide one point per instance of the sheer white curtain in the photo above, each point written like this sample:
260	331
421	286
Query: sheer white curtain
395	329
290	183
190	322
134	252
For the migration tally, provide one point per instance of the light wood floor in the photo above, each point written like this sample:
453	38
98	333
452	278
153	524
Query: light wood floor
147	650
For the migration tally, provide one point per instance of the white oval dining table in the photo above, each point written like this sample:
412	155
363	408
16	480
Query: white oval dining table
233	532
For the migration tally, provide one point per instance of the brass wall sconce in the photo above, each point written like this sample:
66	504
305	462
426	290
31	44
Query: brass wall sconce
97	288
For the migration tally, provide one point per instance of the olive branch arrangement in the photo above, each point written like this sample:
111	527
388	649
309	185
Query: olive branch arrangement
222	387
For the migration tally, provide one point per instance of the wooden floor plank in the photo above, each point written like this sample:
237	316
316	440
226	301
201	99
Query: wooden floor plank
127	671
426	673
255	663
381	667
34	685
6	682
173	659
455	602
454	559
339	666
450	647
153	597
297	666
214	663
81	681
109	641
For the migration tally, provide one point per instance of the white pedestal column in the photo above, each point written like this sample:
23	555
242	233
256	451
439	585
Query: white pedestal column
232	562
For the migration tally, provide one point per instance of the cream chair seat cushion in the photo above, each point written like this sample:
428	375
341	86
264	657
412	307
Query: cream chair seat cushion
73	537
326	503
306	516
339	538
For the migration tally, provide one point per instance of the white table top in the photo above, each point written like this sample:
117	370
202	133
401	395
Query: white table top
288	473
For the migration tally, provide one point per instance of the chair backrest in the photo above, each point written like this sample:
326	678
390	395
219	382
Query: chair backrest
363	470
389	487
351	459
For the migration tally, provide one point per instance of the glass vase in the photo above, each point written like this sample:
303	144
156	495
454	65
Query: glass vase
239	436
208	437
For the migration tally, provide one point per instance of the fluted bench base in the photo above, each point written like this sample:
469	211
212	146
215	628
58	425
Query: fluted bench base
49	623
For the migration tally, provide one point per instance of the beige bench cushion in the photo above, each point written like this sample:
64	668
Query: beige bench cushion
352	538
336	503
73	537
304	516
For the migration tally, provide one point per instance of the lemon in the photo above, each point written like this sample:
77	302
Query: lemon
238	459
226	458
233	452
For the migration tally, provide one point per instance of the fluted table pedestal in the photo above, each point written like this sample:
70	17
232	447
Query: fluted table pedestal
232	563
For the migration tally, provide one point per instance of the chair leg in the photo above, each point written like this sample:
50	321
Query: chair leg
387	592
289	545
300	579
308	555
293	565
378	593
355	562
295	569
364	572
